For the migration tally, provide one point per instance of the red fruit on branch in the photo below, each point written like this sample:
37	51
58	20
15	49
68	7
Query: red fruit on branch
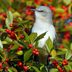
50	0
20	48
30	45
64	7
64	62
22	36
35	52
0	65
8	31
52	8
55	63
11	25
25	68
70	71
19	63
28	12
12	35
60	69
67	35
70	24
38	2
1	25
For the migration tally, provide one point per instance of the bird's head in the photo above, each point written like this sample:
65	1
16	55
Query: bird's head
43	12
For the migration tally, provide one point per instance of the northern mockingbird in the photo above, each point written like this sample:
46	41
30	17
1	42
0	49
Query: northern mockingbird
43	23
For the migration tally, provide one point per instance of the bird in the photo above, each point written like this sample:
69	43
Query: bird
43	23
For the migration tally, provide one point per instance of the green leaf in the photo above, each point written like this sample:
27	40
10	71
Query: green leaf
35	68
10	70
67	2
3	36
41	67
1	45
16	14
68	54
40	36
54	70
68	68
49	44
32	37
7	23
60	10
26	36
10	16
27	55
71	46
29	3
9	19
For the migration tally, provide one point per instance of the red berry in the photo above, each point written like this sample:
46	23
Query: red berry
22	37
60	69
30	45
52	8
38	2
61	46
55	63
35	52
25	68
70	71
0	25
8	31
28	12
64	7
7	60
64	62
19	63
11	25
70	24
20	48
0	65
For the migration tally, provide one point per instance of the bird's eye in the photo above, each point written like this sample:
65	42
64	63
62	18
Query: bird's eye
40	11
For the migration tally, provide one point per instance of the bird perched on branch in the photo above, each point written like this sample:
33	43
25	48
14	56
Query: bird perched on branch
43	23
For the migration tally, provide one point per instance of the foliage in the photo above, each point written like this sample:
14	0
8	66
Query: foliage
19	51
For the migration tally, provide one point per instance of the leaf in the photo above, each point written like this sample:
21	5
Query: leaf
71	46
53	53
16	14
68	54
1	45
68	68
9	19
41	67
29	3
27	55
67	2
54	70
10	70
32	37
26	36
10	16
49	44
40	36
35	68
7	23
60	10
3	36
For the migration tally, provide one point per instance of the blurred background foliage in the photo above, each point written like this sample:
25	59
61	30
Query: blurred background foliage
16	15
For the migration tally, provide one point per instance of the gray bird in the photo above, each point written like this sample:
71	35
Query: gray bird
43	23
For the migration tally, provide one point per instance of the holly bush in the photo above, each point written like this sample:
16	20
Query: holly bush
18	48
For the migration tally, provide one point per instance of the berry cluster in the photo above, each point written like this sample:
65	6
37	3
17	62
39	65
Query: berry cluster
11	34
